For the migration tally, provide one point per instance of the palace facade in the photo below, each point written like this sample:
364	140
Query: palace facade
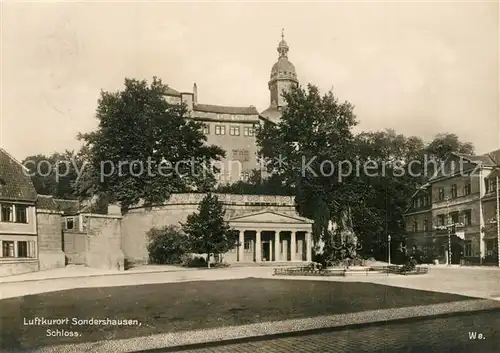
233	128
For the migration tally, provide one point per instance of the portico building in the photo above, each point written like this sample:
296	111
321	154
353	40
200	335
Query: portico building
271	236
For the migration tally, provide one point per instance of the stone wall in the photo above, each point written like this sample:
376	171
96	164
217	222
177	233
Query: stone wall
17	267
138	221
104	241
50	247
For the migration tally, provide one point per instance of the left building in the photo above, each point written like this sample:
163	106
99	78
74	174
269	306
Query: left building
30	225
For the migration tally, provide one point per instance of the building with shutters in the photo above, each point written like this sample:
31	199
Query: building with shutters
457	211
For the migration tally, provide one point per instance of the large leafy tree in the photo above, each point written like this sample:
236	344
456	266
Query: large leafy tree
56	174
145	148
207	231
313	136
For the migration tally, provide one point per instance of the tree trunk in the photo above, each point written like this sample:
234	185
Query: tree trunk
208	260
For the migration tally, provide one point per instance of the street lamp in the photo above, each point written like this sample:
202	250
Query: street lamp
449	226
498	218
389	249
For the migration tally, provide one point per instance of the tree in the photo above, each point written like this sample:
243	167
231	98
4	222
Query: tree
56	174
445	143
313	135
145	148
207	231
166	245
257	185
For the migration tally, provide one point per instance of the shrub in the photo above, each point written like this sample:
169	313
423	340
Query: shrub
189	261
410	265
166	245
221	264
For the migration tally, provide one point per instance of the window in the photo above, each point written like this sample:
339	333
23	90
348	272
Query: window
247	245
7	248
220	130
6	214
419	202
426	225
241	155
467	189
454	217
468	217
234	131
22	249
440	220
491	185
21	214
490	247
245	176
70	223
415	226
454	191
468	248
206	129
441	194
248	131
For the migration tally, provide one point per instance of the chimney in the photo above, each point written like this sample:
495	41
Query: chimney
195	94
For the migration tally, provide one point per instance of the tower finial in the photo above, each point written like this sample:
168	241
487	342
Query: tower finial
283	33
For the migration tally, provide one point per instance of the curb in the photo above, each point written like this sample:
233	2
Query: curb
104	275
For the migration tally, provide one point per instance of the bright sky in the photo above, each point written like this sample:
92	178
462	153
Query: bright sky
420	68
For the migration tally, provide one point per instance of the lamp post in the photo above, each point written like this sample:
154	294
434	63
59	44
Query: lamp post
448	226
389	249
498	219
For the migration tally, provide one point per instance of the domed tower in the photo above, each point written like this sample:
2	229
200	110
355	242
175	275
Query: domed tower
283	78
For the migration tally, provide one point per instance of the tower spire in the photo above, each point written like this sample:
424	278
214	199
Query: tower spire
282	47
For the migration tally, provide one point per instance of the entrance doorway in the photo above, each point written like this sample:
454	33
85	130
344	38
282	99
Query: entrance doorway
266	250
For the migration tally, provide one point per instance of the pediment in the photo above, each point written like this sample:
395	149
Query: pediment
270	217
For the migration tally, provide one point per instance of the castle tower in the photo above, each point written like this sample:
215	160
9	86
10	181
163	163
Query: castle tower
283	78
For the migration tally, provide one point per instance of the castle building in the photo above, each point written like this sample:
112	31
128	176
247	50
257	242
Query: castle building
38	232
233	128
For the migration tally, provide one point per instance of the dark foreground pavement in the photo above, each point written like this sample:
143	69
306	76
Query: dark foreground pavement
426	335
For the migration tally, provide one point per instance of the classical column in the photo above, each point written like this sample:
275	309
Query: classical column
258	247
293	246
277	245
308	247
241	248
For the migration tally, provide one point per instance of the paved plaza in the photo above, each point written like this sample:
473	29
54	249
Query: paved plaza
472	282
434	335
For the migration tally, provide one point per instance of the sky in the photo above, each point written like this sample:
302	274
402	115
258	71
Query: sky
420	68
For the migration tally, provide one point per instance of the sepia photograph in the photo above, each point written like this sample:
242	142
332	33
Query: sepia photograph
249	176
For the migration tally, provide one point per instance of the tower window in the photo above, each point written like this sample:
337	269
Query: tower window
206	129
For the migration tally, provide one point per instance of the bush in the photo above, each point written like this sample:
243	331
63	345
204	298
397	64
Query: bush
410	265
166	245
189	261
220	264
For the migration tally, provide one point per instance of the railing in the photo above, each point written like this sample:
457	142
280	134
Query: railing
311	271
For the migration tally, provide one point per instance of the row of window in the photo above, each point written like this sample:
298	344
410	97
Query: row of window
245	176
18	248
13	213
466	190
454	218
233	130
422	201
491	185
